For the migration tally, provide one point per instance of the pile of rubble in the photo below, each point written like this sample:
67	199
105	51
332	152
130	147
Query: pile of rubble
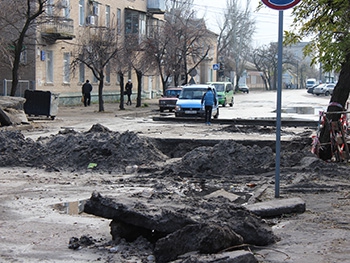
192	206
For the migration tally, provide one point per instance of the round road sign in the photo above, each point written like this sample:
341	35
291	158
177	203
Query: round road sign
280	4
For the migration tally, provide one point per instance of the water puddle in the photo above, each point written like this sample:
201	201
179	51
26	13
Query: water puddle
70	208
303	110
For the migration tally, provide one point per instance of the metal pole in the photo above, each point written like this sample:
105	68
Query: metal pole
279	99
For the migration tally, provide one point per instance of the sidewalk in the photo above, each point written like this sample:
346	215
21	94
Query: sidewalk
110	109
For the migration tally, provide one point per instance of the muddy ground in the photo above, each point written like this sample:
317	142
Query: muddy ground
45	179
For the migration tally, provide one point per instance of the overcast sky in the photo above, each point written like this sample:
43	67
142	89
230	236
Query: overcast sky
266	19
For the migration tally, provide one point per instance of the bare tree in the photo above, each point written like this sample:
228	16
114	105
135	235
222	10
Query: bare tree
156	52
137	54
181	45
17	23
234	42
265	61
99	46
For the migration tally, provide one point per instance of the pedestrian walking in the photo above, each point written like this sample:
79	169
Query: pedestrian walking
86	91
128	90
208	101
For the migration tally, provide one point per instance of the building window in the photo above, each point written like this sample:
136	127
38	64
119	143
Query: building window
94	79
66	8
81	73
95	8
49	66
49	7
131	22
119	21
81	12
135	26
23	58
108	16
108	73
66	65
142	23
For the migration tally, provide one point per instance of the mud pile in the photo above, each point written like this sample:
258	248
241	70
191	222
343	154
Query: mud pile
113	152
73	151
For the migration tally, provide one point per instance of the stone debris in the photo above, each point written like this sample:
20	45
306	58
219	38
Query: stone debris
192	204
277	207
178	225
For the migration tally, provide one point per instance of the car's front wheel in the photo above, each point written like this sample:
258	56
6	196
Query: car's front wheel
327	93
231	103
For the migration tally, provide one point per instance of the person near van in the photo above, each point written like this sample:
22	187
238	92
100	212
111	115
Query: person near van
128	90
86	91
208	101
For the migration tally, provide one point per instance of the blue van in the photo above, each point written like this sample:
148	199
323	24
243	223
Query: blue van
189	103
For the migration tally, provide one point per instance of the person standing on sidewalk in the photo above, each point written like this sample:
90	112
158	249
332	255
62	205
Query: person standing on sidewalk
128	90
86	91
208	101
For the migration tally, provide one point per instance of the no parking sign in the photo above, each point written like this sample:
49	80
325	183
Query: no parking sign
280	4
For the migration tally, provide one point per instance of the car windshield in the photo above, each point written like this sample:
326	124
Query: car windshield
172	93
192	93
219	87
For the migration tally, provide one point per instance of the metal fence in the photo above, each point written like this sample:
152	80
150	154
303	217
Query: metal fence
5	90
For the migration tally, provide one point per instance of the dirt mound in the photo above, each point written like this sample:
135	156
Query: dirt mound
227	158
113	152
72	151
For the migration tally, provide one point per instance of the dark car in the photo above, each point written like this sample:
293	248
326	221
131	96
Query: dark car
311	89
169	99
243	88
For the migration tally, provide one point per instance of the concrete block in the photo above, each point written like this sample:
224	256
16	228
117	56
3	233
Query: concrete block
277	207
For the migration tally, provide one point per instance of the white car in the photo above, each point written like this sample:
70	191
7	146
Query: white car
326	89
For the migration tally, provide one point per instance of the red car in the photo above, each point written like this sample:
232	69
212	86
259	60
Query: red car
169	99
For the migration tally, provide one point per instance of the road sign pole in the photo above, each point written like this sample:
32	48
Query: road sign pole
279	103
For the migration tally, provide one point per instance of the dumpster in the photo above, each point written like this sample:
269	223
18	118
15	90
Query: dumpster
41	103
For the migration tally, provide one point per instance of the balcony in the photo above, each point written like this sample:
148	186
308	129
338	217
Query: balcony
54	28
156	6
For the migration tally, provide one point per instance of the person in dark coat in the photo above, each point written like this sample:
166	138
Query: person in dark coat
86	91
209	100
128	91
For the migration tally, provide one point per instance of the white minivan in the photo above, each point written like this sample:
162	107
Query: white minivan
310	83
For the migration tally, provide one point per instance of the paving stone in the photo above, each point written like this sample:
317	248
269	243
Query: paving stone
277	207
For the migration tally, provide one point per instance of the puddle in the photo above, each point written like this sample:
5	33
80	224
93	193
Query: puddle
70	208
303	110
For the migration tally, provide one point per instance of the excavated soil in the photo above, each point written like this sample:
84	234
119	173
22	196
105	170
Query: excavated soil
46	181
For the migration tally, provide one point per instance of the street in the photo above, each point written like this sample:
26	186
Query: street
262	104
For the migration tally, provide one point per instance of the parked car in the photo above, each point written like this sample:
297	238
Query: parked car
189	102
169	99
311	89
244	88
225	92
326	89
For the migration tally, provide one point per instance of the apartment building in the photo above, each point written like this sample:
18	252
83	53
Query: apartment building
47	60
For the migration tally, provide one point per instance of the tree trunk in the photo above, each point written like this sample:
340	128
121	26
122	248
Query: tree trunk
139	88
337	104
100	94
121	104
